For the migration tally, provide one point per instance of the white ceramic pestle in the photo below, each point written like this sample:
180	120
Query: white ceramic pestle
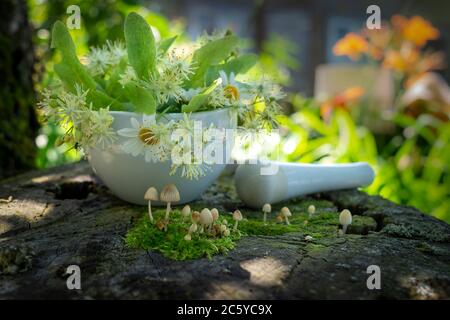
295	179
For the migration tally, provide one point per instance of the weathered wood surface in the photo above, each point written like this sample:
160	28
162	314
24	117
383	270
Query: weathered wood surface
66	216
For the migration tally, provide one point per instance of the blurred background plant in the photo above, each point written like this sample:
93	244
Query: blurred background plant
412	163
407	143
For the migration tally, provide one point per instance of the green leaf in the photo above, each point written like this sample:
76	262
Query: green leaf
239	65
113	87
199	100
211	53
100	99
70	67
140	45
142	99
65	74
165	44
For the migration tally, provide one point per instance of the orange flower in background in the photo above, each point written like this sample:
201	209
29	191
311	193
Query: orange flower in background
399	22
401	61
341	101
417	30
378	40
352	45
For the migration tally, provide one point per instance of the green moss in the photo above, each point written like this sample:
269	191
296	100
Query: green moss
145	235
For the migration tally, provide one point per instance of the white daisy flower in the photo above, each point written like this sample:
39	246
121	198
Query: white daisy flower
149	138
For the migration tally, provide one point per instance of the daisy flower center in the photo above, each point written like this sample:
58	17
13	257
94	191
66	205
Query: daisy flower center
231	92
147	136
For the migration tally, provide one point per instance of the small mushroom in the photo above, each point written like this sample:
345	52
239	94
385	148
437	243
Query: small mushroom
267	208
186	212
215	214
345	219
151	195
309	238
169	194
286	213
311	210
237	216
206	218
226	233
195	217
192	229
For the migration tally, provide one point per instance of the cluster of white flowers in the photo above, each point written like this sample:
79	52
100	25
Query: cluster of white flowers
152	139
173	70
102	59
171	87
84	126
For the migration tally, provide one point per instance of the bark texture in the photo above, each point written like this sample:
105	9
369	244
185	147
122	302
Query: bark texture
65	216
18	123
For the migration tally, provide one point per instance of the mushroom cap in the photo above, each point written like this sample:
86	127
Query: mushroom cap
151	194
345	217
311	209
215	214
285	212
170	194
195	216
267	208
186	210
206	217
193	228
188	237
237	215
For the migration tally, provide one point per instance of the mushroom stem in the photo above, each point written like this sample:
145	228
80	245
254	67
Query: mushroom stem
287	220
344	228
167	211
150	211
235	225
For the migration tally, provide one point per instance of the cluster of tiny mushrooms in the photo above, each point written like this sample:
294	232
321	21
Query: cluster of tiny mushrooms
207	221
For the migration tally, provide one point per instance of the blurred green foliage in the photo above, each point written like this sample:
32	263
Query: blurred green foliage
411	168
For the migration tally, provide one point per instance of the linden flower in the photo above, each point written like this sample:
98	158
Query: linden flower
352	45
101	122
101	59
149	138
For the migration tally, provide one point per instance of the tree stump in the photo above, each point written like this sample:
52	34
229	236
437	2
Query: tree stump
66	216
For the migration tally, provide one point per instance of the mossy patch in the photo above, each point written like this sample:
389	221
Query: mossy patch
171	243
145	235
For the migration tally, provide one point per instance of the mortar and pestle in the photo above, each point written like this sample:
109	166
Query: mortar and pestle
256	187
